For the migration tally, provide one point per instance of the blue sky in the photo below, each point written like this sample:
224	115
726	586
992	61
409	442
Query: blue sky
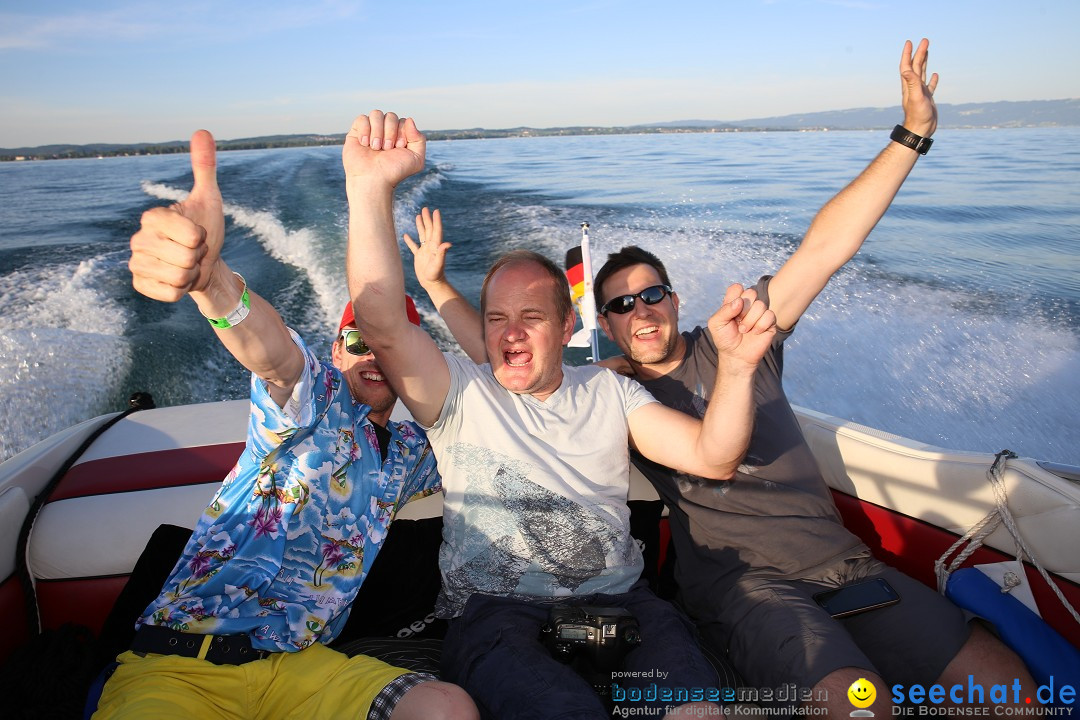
131	71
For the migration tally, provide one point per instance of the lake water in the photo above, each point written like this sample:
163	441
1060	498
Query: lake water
957	323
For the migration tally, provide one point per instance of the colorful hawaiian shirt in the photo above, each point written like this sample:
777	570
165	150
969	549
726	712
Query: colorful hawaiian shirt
291	534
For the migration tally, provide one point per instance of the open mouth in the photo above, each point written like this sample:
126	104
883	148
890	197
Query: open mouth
373	376
517	358
648	332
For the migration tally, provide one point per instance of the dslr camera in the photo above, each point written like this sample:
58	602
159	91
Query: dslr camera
593	640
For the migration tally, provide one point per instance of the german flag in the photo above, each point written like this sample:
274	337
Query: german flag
575	275
579	277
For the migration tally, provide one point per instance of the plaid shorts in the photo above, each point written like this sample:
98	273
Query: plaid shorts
388	698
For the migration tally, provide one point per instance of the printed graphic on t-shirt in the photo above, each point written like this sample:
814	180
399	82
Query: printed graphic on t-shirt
516	537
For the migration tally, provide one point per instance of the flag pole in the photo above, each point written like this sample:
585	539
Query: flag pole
588	304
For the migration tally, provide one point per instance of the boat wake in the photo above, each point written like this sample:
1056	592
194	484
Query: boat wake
63	353
905	356
298	248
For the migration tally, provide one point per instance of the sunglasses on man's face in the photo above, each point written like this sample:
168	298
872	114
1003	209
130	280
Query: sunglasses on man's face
354	344
625	303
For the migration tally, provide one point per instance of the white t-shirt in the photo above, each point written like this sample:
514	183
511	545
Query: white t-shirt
535	492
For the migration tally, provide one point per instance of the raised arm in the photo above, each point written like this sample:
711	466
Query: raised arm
842	225
380	151
177	252
429	264
714	446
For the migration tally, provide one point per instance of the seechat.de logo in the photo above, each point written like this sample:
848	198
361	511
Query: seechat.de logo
862	694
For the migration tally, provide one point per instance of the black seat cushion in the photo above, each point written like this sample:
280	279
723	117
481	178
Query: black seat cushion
392	617
152	569
397	598
645	527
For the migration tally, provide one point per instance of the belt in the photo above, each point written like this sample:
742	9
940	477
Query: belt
218	649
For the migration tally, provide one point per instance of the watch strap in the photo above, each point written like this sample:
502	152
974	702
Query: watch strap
905	137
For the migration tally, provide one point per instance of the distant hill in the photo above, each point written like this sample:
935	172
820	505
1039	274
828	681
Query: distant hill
1034	113
43	152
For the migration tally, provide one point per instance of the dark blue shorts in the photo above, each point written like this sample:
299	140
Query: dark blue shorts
493	650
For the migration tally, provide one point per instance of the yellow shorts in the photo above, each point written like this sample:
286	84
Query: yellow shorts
315	682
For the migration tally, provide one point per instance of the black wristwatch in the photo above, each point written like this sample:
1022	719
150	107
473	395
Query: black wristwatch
918	143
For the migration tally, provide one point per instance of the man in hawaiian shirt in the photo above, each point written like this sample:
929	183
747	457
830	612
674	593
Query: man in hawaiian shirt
275	561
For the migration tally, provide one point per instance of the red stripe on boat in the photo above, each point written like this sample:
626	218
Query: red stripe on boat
149	471
85	601
912	546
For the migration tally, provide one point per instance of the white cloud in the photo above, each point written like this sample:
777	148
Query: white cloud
192	23
30	32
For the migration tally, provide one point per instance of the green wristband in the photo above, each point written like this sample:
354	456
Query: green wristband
239	312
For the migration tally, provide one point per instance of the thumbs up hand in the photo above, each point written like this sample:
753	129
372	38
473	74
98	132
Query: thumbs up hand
177	248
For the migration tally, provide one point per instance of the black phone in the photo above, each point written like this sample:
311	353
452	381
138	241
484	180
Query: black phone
858	597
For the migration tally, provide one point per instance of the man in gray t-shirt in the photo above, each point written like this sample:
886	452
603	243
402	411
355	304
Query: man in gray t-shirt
720	532
533	457
751	552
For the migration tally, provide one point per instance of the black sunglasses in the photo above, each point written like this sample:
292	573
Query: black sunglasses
354	344
625	303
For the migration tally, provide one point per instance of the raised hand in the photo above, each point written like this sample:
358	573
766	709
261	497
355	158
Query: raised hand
429	251
920	112
381	147
429	263
742	329
176	248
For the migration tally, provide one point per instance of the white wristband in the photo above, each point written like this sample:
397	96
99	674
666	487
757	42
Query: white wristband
239	312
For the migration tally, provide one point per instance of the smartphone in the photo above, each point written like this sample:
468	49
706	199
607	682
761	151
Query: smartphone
858	597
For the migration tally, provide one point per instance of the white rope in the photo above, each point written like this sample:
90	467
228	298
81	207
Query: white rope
977	534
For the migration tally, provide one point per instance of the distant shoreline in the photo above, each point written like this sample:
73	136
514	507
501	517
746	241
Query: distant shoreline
1003	115
69	152
76	152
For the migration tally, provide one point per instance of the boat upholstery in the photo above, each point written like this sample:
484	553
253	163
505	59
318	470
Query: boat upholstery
907	500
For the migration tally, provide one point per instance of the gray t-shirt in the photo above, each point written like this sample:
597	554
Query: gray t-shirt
535	492
777	517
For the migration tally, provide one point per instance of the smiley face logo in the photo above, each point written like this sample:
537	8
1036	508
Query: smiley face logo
862	693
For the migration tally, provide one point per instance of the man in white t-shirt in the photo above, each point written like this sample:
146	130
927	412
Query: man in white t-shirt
534	458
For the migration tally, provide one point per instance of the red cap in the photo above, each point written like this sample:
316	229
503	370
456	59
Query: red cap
347	317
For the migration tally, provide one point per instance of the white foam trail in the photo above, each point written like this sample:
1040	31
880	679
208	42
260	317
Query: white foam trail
62	350
414	196
408	202
299	248
407	205
164	192
914	360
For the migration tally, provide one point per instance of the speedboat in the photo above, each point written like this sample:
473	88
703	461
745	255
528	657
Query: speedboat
78	509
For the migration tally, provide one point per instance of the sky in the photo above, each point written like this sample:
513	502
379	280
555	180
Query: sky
123	71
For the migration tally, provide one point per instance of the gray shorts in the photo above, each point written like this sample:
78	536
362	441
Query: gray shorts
775	633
